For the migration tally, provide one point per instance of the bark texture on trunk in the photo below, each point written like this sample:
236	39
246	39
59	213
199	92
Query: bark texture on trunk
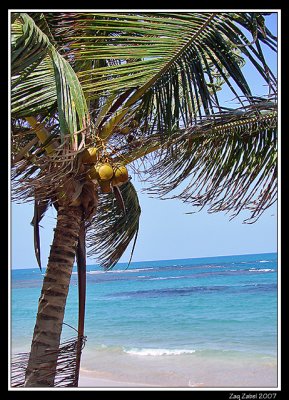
47	332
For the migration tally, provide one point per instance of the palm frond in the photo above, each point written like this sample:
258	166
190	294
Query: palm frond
111	230
174	62
155	41
41	79
46	175
228	162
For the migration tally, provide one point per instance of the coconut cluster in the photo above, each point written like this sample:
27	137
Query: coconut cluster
106	174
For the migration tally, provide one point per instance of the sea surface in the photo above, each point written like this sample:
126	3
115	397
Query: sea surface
217	306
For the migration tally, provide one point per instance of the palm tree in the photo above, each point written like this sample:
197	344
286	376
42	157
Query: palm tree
136	89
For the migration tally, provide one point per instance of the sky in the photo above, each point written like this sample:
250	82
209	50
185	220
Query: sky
166	231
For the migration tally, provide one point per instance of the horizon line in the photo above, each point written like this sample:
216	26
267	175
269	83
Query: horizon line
165	259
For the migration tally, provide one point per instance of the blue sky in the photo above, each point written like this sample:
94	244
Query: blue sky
166	232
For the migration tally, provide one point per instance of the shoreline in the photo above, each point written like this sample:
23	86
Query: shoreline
182	371
112	369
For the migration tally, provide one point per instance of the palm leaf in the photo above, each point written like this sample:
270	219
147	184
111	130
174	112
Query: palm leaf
155	41
175	62
43	79
111	230
226	163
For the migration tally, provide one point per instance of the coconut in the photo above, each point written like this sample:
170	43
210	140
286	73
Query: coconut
89	155
120	175
105	172
101	172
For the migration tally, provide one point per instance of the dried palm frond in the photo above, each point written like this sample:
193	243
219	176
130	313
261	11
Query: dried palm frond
66	371
111	230
39	210
45	175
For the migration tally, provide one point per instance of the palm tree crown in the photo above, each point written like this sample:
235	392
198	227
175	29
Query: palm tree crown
146	83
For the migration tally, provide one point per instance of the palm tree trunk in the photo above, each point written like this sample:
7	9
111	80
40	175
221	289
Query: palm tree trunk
46	338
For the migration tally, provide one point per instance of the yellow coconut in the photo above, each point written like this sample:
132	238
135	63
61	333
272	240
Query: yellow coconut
101	172
105	172
105	186
89	155
120	175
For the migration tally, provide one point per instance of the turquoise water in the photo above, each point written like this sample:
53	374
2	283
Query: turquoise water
170	307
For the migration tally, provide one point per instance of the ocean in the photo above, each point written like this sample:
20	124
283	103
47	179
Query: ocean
176	313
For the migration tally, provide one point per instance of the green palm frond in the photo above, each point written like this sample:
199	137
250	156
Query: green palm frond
227	163
175	62
111	230
34	93
42	80
144	45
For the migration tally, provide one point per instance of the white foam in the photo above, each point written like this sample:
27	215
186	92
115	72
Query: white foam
159	279
105	272
166	278
158	352
95	272
119	271
139	269
266	270
261	270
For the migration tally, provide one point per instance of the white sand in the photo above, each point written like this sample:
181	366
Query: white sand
187	371
102	369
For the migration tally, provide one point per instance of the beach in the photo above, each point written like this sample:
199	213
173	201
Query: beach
116	369
179	371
